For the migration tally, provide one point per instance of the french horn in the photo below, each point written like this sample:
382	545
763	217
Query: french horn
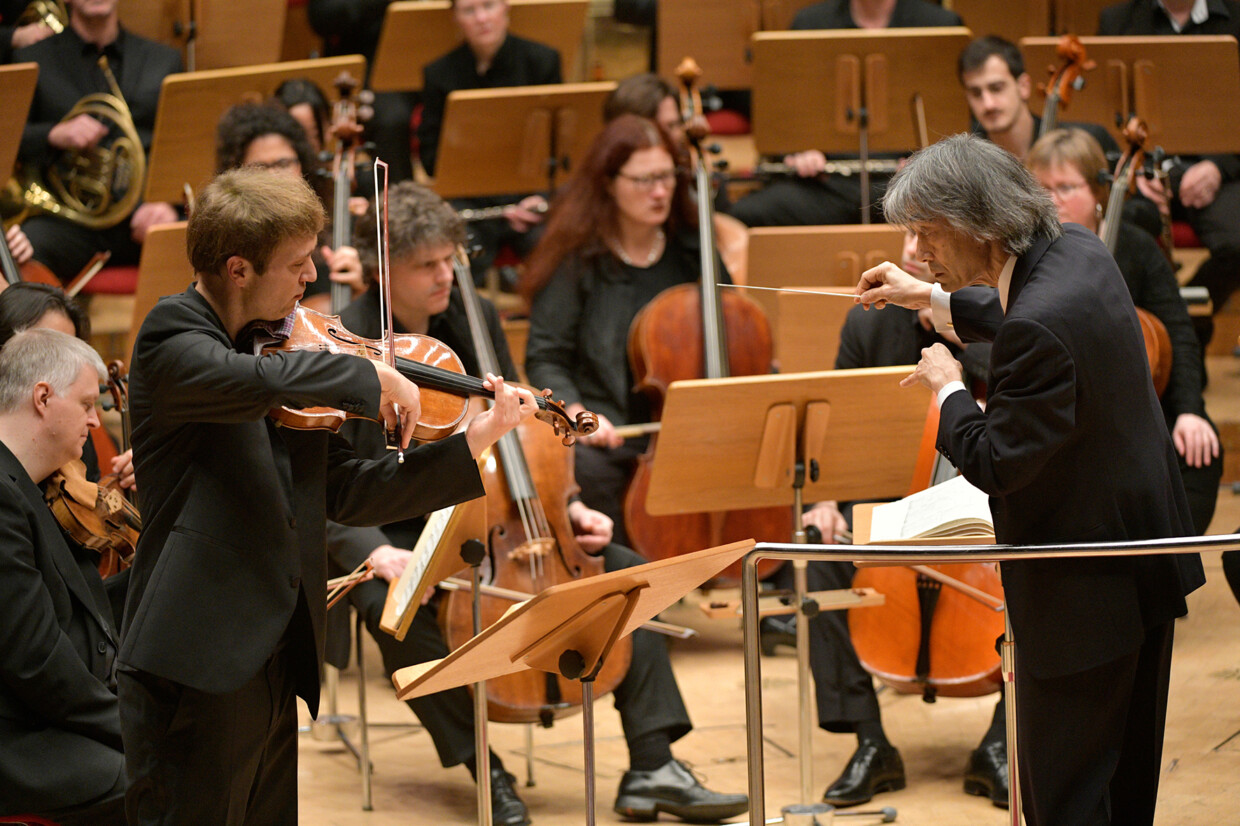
51	13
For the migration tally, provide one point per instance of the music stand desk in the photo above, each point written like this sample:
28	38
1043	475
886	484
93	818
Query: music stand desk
17	83
517	139
417	32
190	104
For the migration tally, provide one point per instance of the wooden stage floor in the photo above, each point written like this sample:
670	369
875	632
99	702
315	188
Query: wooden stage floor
1201	762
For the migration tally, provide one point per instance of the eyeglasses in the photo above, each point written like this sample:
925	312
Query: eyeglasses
279	165
1065	190
647	182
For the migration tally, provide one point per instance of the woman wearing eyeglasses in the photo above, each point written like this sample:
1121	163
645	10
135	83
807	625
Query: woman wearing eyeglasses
1070	164
622	230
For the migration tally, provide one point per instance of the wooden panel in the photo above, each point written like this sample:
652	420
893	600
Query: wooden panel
808	337
1079	17
17	84
239	34
777	14
162	270
715	33
164	21
1187	89
416	32
190	104
1010	20
300	41
815	257
807	87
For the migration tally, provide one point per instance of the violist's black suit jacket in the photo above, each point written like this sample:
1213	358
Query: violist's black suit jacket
235	510
60	729
1072	447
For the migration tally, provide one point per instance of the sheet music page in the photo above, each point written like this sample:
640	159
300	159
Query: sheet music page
952	501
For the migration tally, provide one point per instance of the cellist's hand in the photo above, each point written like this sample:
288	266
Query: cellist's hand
513	405
400	403
592	529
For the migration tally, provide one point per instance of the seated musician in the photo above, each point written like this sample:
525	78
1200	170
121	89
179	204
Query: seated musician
491	57
16	33
425	233
265	135
811	197
844	690
305	101
224	622
622	230
68	72
60	735
1070	164
1205	189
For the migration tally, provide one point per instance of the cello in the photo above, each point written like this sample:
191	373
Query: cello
1069	77
530	545
716	335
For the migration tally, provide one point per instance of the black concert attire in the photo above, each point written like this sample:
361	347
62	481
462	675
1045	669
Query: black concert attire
60	729
1073	447
1218	224
519	62
578	346
648	698
353	27
68	71
224	623
832	199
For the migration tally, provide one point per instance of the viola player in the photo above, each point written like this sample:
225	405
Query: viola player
223	626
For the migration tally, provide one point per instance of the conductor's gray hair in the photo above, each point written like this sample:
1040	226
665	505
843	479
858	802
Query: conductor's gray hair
40	354
975	187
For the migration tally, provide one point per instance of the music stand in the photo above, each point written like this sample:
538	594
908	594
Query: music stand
855	91
785	438
17	84
548	128
569	629
715	32
1185	88
190	104
416	32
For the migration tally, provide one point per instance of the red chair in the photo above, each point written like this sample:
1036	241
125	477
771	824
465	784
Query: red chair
28	820
112	281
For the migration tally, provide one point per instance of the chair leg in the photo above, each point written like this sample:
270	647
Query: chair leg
529	754
364	757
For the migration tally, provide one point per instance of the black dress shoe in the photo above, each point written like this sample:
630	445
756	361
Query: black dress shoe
987	774
873	768
673	789
776	631
506	808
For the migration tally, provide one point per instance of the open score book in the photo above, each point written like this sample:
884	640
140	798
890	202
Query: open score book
952	509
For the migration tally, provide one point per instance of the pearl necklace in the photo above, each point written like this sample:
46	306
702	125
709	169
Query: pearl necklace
656	249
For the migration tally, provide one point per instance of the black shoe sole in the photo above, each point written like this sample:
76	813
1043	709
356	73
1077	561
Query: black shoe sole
982	788
891	784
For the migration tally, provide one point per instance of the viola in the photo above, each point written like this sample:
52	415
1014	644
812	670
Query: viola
691	332
444	387
531	545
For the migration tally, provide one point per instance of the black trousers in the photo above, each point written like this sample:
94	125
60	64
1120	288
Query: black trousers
106	810
843	688
833	199
1090	744
648	698
211	759
65	247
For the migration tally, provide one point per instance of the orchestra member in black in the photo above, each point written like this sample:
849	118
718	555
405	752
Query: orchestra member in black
424	235
67	73
18	36
224	622
1071	447
60	732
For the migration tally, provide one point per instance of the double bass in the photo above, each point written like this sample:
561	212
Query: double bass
530	546
716	336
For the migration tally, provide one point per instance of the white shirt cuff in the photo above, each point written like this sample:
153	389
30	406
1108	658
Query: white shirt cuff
941	308
949	388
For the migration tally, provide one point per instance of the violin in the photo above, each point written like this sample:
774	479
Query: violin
444	387
531	545
690	332
98	516
1065	79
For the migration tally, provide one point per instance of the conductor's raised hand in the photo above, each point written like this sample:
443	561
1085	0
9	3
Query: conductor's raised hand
888	284
400	403
513	405
936	369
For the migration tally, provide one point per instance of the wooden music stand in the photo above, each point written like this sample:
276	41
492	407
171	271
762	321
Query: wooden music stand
777	15
569	629
808	336
1186	89
1079	17
416	32
190	104
211	34
715	32
548	129
1010	20
163	270
17	83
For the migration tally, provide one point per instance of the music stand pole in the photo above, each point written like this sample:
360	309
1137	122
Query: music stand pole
801	586
472	553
